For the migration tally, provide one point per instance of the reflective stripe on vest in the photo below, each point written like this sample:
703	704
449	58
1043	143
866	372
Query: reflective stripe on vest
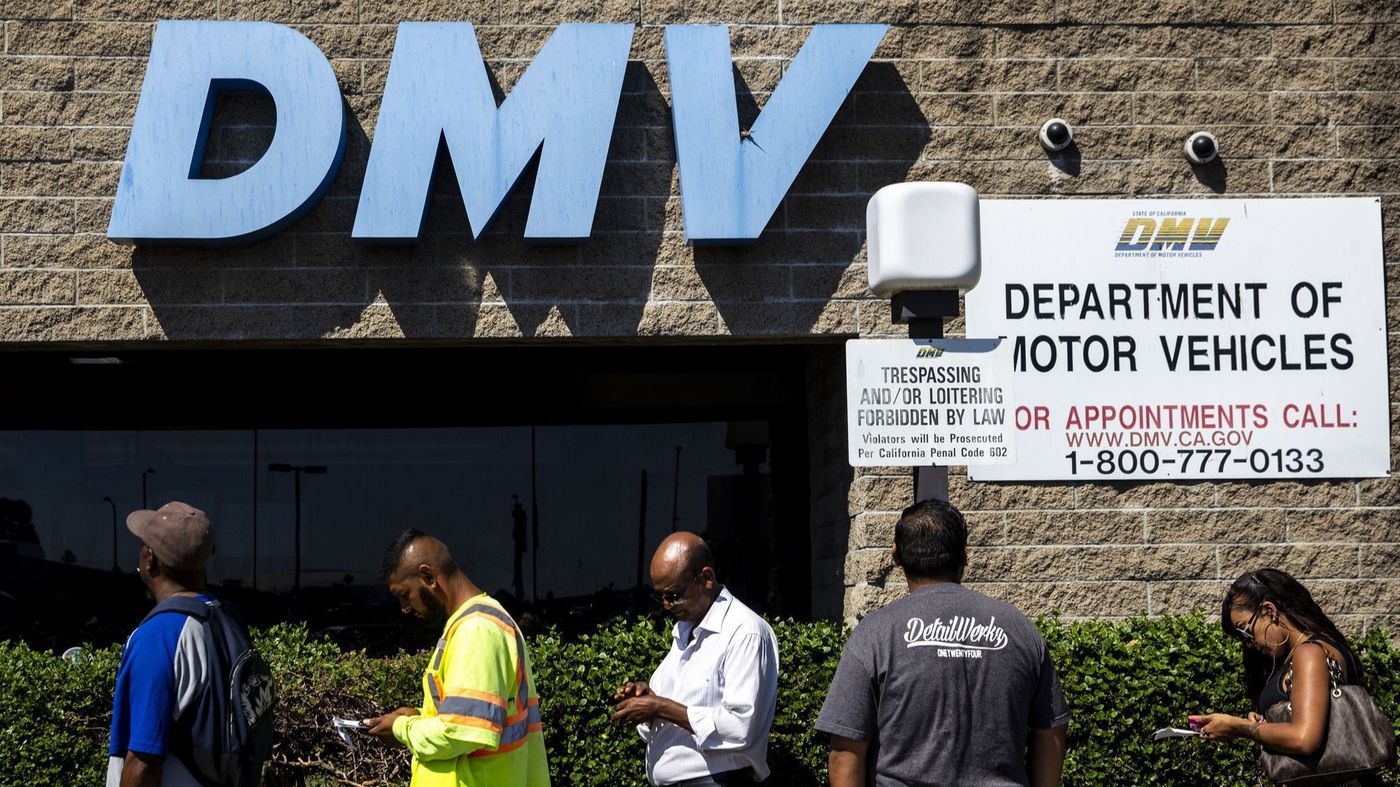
476	709
479	709
516	732
435	689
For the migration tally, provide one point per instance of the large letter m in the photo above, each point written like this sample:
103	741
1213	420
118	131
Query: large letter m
438	90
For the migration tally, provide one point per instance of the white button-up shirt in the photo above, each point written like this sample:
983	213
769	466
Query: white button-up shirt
727	677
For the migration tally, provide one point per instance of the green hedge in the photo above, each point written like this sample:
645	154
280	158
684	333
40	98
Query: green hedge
1122	680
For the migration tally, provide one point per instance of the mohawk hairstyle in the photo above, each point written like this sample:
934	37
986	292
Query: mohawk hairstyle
393	554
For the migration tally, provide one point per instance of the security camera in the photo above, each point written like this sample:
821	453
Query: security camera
1056	135
1201	148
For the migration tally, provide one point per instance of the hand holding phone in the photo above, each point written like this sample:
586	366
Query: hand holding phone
630	689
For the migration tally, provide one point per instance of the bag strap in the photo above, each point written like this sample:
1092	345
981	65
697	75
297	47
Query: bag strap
1334	672
1334	668
202	611
184	605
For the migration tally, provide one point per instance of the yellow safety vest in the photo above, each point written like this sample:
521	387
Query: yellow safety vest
480	722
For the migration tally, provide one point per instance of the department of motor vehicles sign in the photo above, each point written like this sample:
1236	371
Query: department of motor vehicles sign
1189	339
928	402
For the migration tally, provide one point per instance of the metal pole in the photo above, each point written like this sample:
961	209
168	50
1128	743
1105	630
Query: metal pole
642	531
930	481
296	575
925	311
255	509
110	502
534	524
676	493
517	547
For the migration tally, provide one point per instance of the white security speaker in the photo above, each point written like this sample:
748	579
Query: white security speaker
923	236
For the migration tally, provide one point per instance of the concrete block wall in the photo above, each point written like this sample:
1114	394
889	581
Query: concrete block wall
1109	550
1304	96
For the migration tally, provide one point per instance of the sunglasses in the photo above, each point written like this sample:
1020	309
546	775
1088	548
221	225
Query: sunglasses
1245	633
671	599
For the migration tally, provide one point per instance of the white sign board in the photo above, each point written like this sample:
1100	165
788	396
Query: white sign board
928	402
1189	339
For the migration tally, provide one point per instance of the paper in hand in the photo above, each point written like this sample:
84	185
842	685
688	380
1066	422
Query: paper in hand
1173	732
344	727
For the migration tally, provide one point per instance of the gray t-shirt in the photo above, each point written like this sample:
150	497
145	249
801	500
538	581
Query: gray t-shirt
946	684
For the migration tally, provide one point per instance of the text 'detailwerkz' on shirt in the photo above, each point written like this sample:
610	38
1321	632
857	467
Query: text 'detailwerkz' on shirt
946	685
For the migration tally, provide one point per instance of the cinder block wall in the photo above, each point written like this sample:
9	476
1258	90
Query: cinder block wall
1304	95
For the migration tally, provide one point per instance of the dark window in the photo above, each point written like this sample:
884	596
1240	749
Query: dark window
490	450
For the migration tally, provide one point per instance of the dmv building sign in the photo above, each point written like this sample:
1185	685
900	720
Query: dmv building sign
1189	339
439	92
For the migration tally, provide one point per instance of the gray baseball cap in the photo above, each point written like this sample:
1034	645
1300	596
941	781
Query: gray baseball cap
178	533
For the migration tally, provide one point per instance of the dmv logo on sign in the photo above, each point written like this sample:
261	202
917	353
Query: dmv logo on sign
438	91
1171	233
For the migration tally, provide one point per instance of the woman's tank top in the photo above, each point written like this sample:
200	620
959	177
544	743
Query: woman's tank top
1280	681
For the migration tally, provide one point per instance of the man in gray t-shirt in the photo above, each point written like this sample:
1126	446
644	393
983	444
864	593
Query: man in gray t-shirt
944	686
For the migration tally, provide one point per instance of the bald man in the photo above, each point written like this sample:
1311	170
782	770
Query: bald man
706	711
480	721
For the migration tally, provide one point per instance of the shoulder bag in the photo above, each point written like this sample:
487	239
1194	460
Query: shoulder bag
1359	740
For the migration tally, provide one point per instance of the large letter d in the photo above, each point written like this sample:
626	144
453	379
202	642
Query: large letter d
160	198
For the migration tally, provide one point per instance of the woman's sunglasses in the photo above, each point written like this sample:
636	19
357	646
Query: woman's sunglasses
1245	633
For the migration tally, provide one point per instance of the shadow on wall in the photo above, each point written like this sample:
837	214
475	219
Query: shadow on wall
1068	161
782	285
314	281
274	288
1213	175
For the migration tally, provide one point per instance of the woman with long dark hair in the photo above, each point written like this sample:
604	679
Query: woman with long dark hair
1291	652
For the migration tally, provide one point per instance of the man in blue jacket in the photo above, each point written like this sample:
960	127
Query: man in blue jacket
164	665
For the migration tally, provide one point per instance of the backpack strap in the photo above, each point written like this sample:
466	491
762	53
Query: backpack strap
184	605
179	744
